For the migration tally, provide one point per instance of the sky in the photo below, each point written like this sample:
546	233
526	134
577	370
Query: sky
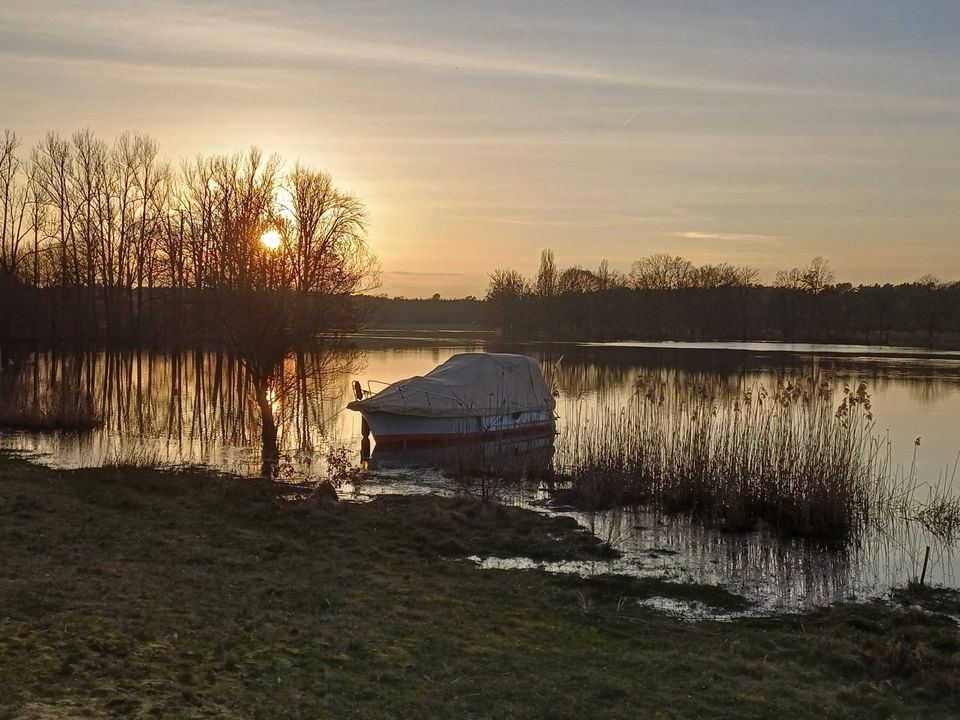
479	133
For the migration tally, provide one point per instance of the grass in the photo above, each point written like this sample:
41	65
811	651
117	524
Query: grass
135	593
931	598
791	457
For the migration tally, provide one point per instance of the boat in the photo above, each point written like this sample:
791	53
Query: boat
472	396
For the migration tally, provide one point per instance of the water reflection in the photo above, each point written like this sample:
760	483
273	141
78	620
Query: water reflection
776	573
190	407
200	408
587	368
497	468
533	455
202	403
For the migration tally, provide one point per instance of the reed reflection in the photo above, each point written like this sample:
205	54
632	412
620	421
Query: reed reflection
776	573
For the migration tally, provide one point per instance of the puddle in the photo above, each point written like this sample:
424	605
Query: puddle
692	610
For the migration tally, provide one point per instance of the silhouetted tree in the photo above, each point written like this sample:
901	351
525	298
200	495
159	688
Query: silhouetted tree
546	283
670	297
506	291
15	208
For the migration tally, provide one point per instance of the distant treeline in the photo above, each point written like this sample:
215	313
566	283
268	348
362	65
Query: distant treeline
169	317
111	242
458	313
669	298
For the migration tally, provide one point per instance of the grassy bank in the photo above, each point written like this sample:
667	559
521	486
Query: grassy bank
144	594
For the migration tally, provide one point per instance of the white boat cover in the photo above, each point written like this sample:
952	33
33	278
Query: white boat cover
467	385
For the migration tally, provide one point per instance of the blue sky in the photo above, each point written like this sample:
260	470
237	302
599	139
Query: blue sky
479	133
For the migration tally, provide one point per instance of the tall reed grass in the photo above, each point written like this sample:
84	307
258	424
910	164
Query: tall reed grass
790	456
57	412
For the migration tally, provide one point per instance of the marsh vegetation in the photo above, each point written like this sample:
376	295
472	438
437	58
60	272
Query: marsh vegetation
802	457
66	408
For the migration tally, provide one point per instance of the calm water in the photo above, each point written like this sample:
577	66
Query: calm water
197	408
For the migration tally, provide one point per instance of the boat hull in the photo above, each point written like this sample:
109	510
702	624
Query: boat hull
395	428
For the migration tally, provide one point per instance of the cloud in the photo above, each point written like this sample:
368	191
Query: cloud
410	273
749	238
553	217
245	42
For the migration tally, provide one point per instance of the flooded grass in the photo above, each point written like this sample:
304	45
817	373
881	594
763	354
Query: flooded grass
158	594
65	405
131	457
791	458
63	413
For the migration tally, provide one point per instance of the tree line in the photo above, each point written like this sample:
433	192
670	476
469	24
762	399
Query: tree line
108	241
665	297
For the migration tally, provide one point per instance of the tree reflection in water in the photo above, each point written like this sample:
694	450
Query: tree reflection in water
296	399
199	407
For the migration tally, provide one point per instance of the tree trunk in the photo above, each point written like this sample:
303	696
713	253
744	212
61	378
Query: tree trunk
270	451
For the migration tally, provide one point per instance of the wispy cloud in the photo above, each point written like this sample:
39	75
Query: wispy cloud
207	39
560	218
411	273
750	238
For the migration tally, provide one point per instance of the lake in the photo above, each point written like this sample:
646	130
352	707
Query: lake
196	407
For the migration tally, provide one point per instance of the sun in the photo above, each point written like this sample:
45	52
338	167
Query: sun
271	239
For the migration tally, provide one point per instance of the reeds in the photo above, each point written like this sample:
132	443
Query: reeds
134	457
61	412
789	456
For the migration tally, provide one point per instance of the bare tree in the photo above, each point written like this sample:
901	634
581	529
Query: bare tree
607	278
38	225
723	275
507	284
818	276
325	237
661	272
576	280
546	283
53	166
815	278
244	190
195	198
14	207
273	299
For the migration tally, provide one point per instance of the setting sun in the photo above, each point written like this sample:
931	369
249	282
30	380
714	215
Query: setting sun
271	239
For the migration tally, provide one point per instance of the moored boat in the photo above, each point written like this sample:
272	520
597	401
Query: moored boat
470	396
